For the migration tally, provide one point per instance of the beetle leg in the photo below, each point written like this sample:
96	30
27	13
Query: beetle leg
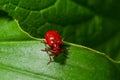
49	60
52	51
51	54
46	49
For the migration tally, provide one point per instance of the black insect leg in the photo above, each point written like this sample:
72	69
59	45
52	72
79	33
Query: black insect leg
51	54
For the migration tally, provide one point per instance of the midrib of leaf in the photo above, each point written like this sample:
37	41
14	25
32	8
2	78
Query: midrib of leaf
93	50
68	43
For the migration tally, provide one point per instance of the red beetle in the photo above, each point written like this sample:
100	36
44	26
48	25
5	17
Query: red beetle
53	40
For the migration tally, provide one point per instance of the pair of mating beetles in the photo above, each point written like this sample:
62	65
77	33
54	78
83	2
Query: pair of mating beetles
54	41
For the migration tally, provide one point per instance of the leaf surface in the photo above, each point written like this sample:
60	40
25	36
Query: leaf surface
21	58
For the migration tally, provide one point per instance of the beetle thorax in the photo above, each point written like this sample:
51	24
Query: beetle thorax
56	47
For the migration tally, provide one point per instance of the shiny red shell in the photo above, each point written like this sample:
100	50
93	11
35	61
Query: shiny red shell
53	40
52	37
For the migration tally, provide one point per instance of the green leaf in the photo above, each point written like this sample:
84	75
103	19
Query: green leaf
92	23
9	30
21	58
106	8
24	60
35	15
